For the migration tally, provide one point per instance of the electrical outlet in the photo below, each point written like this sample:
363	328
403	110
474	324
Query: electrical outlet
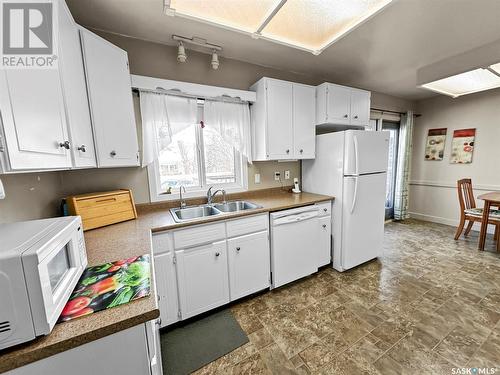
277	176
287	175
257	178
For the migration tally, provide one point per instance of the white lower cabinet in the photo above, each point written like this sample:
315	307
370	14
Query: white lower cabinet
248	264
202	278
325	243
166	285
127	352
201	267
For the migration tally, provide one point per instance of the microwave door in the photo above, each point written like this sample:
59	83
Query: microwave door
59	268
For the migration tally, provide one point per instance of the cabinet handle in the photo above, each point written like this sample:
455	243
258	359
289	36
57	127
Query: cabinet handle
82	148
65	145
356	116
345	116
324	225
287	151
217	254
113	153
238	249
301	151
325	209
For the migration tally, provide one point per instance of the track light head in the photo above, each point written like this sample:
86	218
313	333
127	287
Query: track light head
215	60
181	53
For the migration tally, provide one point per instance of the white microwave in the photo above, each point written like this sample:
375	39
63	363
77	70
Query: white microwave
40	263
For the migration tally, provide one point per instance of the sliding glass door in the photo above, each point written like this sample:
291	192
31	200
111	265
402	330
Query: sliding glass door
393	129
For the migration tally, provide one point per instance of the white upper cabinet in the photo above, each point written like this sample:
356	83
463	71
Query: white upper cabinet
360	107
342	105
34	120
279	119
283	120
75	92
304	107
111	106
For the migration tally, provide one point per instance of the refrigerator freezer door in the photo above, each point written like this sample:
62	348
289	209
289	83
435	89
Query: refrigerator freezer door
363	215
365	152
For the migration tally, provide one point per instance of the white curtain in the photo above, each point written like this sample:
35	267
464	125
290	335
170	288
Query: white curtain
232	122
401	197
162	117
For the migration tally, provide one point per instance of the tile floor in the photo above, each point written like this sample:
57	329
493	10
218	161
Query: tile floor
429	305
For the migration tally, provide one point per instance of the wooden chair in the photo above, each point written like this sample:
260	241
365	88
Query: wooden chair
469	212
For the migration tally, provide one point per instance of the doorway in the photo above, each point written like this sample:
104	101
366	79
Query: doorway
393	129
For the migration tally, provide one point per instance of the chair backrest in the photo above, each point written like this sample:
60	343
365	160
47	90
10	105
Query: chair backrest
465	194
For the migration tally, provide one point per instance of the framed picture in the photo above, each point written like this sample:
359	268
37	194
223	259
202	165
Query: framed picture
462	146
434	148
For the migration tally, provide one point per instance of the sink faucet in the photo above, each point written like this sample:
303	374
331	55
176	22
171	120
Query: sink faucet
183	201
211	196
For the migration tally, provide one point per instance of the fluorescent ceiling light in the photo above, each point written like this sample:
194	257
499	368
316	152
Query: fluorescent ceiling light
466	83
310	25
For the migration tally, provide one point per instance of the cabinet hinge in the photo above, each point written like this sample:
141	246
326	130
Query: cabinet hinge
179	315
174	260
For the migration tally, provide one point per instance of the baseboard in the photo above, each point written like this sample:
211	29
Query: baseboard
446	221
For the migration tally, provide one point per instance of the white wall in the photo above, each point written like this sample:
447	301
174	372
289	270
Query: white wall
433	193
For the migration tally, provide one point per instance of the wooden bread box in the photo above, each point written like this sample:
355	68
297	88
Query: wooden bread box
101	209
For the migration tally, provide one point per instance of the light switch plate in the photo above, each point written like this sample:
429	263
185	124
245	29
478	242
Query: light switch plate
287	175
2	191
257	178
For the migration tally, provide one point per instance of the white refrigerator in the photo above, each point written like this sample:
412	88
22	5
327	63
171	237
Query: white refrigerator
352	166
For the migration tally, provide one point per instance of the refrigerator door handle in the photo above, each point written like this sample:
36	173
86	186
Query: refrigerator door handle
356	155
355	196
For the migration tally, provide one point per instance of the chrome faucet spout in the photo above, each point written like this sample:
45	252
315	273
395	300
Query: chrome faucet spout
182	201
210	195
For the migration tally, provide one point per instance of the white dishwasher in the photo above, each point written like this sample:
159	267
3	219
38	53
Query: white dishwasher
295	237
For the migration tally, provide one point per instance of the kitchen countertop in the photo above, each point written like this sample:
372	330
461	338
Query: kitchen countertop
125	240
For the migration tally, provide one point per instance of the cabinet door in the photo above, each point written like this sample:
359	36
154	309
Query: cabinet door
203	278
166	288
249	264
75	91
34	120
110	94
338	105
360	107
325	243
279	123
304	114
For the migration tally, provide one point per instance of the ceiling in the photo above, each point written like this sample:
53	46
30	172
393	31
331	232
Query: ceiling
383	54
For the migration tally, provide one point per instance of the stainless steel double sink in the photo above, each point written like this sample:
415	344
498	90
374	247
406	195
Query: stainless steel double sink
193	213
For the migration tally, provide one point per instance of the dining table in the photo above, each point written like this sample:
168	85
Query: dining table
490	200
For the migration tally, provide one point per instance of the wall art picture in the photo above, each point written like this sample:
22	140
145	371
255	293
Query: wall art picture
434	149
462	146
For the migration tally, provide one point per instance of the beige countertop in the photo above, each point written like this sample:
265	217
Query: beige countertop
124	240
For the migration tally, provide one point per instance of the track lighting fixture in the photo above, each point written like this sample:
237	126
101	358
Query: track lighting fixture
181	53
215	60
200	42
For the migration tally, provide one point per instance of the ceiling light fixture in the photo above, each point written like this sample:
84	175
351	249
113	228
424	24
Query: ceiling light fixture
181	53
215	60
476	80
200	42
311	25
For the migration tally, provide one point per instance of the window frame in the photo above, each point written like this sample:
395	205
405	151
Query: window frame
240	165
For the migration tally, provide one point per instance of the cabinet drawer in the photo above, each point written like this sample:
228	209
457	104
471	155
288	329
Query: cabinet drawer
163	243
325	208
247	225
199	235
